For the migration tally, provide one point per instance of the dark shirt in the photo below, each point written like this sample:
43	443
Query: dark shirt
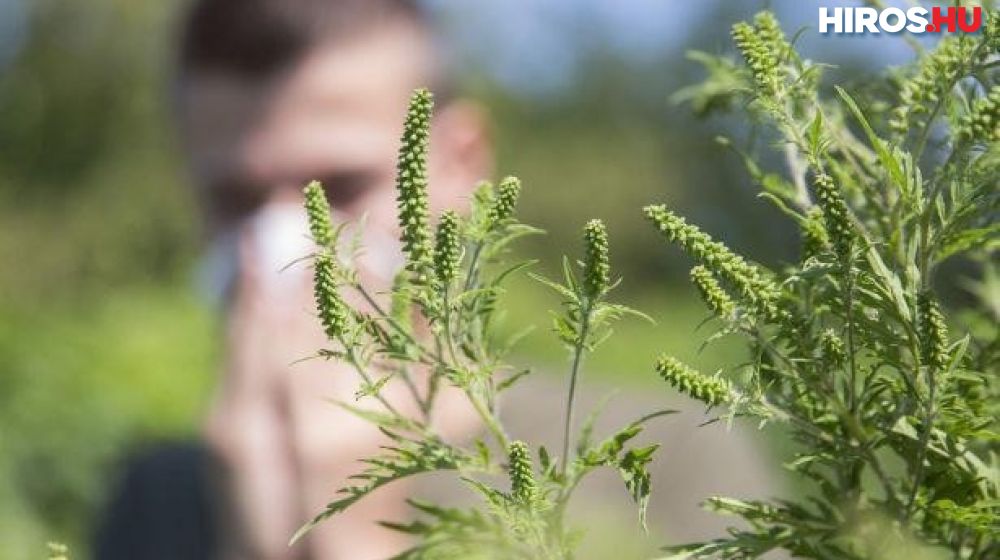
160	510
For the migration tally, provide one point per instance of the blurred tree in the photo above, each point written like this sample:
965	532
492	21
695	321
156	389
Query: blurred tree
95	353
89	184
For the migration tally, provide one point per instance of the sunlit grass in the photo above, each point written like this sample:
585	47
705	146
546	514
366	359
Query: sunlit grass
80	386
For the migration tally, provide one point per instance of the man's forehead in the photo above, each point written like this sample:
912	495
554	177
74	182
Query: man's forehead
341	104
371	73
374	72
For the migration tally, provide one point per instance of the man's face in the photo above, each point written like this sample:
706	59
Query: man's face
334	116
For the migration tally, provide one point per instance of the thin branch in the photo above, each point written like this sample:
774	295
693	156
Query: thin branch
578	350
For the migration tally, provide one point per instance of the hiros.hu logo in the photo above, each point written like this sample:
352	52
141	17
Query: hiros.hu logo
894	20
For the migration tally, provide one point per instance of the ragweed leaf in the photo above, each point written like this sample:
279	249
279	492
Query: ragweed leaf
408	458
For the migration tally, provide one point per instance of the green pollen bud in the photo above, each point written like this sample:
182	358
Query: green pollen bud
938	70
761	294
833	348
506	200
596	265
447	249
711	292
318	212
933	332
758	56
712	391
771	35
329	304
523	488
815	241
836	215
411	184
982	123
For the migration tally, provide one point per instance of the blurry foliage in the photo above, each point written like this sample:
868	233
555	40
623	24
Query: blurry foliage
76	387
604	152
95	352
82	80
89	189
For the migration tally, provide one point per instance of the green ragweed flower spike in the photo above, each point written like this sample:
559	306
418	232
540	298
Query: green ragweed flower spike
815	241
933	332
758	55
982	123
506	200
596	264
711	292
937	72
318	212
411	184
836	215
447	249
832	347
760	293
771	35
523	488
330	305
712	391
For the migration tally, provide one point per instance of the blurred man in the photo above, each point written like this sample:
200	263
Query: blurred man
272	94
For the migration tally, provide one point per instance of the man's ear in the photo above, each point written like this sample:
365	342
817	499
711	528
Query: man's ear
461	153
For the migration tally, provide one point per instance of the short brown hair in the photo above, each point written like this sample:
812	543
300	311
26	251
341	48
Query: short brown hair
256	38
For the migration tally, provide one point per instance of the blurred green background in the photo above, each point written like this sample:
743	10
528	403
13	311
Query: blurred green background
104	343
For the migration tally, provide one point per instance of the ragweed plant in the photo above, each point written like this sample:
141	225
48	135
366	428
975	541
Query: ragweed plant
891	397
435	330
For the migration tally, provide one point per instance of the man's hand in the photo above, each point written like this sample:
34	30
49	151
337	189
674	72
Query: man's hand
247	428
283	445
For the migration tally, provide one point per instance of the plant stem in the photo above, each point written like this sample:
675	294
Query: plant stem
852	361
578	349
491	422
484	413
434	356
353	360
470	278
449	339
392	322
925	437
924	267
449	345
